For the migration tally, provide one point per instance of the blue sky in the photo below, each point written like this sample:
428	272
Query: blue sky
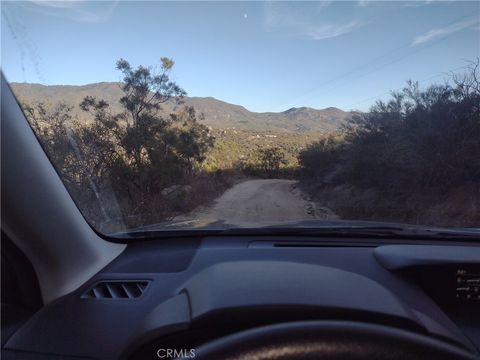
266	56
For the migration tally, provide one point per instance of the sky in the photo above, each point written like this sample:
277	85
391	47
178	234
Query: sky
265	56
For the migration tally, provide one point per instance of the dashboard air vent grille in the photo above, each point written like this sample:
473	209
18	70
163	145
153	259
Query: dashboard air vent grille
117	289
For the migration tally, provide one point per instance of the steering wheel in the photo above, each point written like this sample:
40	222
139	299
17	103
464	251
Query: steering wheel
330	340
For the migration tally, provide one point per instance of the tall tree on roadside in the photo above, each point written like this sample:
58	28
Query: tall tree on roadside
149	149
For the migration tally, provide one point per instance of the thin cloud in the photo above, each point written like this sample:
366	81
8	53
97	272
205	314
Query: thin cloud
363	3
323	4
320	32
447	30
428	2
81	11
308	23
56	4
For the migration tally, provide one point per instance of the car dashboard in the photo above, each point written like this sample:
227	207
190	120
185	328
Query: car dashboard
185	292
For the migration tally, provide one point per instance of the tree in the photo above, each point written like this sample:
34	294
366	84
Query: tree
146	136
80	166
138	151
155	149
321	157
421	141
50	125
271	159
146	150
192	139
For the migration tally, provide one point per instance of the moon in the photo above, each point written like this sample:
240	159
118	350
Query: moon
245	16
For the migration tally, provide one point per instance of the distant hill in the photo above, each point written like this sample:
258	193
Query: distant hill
218	114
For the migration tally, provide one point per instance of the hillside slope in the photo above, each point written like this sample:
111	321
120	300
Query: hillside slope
218	114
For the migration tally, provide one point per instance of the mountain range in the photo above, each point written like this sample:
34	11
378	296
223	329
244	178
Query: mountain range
217	114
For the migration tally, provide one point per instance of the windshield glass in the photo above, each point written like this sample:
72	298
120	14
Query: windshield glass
218	115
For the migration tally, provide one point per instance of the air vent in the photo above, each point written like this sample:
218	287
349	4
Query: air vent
117	290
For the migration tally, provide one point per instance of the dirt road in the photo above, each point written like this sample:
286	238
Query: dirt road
262	201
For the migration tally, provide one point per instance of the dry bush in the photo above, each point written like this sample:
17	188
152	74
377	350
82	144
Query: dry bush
414	158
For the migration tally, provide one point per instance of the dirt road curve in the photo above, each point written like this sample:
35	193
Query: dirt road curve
261	201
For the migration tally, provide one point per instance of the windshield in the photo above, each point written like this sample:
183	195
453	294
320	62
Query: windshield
226	115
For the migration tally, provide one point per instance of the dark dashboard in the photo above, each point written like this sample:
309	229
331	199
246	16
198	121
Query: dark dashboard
187	292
